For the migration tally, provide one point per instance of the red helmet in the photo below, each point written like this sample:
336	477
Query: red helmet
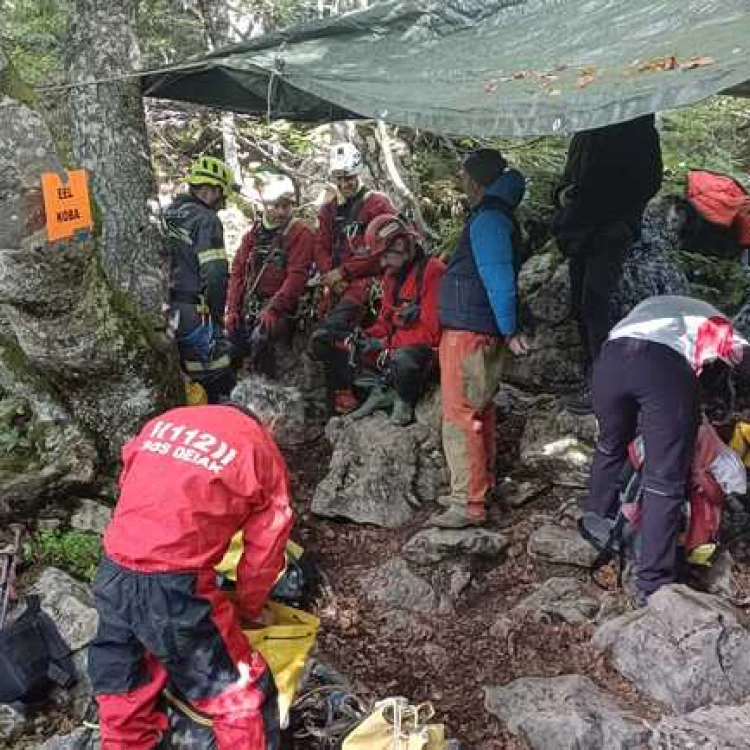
384	229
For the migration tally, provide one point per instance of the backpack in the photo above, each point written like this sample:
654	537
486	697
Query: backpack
33	657
716	473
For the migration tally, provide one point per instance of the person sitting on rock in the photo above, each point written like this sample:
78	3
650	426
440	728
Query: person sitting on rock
478	315
400	349
269	275
647	375
348	266
191	479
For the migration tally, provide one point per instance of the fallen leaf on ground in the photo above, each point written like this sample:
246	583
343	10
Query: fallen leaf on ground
585	80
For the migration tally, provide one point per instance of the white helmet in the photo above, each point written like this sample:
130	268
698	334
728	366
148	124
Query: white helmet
280	188
345	160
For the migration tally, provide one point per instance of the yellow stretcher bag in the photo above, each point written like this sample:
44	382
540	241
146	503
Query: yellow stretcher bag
228	565
397	725
285	645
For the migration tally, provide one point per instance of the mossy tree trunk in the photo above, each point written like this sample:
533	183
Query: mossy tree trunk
109	139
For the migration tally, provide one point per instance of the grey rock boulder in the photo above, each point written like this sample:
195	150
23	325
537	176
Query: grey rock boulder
560	545
12	724
555	355
379	473
286	404
724	727
69	603
560	599
559	446
565	713
91	515
79	739
395	585
685	649
433	545
516	494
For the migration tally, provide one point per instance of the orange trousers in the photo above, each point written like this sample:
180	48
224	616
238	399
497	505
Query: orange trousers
470	370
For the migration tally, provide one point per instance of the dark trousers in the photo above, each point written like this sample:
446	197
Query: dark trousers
327	344
178	629
410	370
596	258
635	379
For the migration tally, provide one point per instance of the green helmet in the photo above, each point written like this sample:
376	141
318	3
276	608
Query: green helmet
208	170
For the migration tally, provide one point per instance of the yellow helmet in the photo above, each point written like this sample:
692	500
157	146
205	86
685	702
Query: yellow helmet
208	170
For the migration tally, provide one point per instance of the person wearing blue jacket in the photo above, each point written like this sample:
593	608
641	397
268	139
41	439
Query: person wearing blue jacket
478	314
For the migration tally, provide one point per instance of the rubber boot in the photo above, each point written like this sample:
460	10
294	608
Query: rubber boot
403	412
378	398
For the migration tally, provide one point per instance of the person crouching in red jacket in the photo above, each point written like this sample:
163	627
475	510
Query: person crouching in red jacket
268	277
191	478
400	348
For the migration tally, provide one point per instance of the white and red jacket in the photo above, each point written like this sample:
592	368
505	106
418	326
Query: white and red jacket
693	328
192	478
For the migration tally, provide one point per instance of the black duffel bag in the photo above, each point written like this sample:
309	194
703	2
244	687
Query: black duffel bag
34	658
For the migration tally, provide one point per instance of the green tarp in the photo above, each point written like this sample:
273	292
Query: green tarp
495	68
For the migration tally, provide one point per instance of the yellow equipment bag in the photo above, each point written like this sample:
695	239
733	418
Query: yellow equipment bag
741	441
285	645
228	565
397	725
195	394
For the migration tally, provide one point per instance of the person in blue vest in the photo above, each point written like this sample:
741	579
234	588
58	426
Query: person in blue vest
478	315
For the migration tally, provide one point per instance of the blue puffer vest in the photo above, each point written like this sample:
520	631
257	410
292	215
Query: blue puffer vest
464	304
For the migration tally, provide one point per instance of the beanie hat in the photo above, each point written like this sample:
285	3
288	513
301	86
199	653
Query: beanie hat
485	165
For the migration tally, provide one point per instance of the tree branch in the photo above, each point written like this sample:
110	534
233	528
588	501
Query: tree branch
384	140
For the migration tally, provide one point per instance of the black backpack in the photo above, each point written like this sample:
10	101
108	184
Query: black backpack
33	657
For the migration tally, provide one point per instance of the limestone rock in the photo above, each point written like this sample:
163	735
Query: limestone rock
517	494
434	545
565	713
555	355
64	330
395	585
561	546
560	599
559	446
79	739
379	472
685	649
12	724
286	403
69	603
91	515
725	727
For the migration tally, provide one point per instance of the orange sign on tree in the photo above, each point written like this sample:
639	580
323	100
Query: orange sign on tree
66	205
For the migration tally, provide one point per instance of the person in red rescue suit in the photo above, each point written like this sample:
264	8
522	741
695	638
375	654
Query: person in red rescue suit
268	277
479	316
191	479
198	276
400	348
348	266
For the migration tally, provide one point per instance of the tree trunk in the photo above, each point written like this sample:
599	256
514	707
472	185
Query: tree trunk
109	139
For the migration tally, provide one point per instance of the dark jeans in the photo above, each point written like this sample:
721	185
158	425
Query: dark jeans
635	379
596	257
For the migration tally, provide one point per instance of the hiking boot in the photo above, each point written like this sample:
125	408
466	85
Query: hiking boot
403	412
344	401
378	399
455	517
579	403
